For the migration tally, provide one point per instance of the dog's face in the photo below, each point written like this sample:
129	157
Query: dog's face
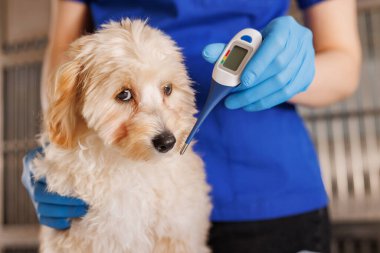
128	85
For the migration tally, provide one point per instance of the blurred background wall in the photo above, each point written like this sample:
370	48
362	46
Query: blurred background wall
346	135
23	30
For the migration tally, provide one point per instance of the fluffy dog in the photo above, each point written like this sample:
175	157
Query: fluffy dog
121	107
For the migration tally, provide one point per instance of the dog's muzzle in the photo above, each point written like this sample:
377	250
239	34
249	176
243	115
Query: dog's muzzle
164	142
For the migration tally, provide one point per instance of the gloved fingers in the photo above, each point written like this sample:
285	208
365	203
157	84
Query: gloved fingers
57	223
267	87
31	155
260	91
41	180
41	195
280	23
278	64
298	84
26	178
270	72
304	77
60	211
27	172
212	52
273	44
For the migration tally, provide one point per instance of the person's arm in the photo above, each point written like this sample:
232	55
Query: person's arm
315	68
338	53
69	20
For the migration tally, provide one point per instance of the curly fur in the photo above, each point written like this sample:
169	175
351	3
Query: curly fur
101	149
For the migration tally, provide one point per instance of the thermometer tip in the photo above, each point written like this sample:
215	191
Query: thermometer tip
183	149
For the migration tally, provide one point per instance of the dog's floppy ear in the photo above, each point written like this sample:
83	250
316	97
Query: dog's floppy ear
63	120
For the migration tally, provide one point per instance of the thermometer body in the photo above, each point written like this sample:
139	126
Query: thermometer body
227	71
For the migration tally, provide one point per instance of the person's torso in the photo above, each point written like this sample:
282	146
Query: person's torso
261	164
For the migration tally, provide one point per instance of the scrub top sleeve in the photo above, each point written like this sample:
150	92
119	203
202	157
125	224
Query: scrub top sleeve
304	4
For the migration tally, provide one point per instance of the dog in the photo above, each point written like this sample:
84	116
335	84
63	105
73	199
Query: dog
121	106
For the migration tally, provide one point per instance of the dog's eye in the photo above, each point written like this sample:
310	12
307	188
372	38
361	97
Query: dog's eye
167	89
125	95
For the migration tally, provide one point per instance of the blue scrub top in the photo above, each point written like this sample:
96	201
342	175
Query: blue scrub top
261	165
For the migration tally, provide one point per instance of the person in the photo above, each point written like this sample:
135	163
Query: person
268	194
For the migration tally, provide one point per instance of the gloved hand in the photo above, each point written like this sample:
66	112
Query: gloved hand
52	209
282	66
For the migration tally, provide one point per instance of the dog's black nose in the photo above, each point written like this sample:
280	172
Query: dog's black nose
164	142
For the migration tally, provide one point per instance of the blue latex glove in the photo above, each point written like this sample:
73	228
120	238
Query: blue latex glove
52	209
282	66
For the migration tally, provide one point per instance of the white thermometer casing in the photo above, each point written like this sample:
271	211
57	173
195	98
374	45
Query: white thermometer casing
249	39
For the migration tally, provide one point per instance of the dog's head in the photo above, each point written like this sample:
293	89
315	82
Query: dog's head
127	84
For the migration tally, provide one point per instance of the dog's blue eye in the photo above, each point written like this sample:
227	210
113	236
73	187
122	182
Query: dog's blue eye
125	95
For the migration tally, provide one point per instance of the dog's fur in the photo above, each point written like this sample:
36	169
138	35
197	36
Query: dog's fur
101	149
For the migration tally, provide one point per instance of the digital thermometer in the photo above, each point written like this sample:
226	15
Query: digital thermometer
227	72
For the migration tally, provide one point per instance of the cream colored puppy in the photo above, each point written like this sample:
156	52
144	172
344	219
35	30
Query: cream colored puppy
121	108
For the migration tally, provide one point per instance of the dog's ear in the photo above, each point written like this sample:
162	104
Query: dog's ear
64	122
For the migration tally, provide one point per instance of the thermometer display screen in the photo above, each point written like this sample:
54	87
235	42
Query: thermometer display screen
234	58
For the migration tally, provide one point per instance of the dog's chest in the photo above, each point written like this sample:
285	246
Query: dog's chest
134	203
